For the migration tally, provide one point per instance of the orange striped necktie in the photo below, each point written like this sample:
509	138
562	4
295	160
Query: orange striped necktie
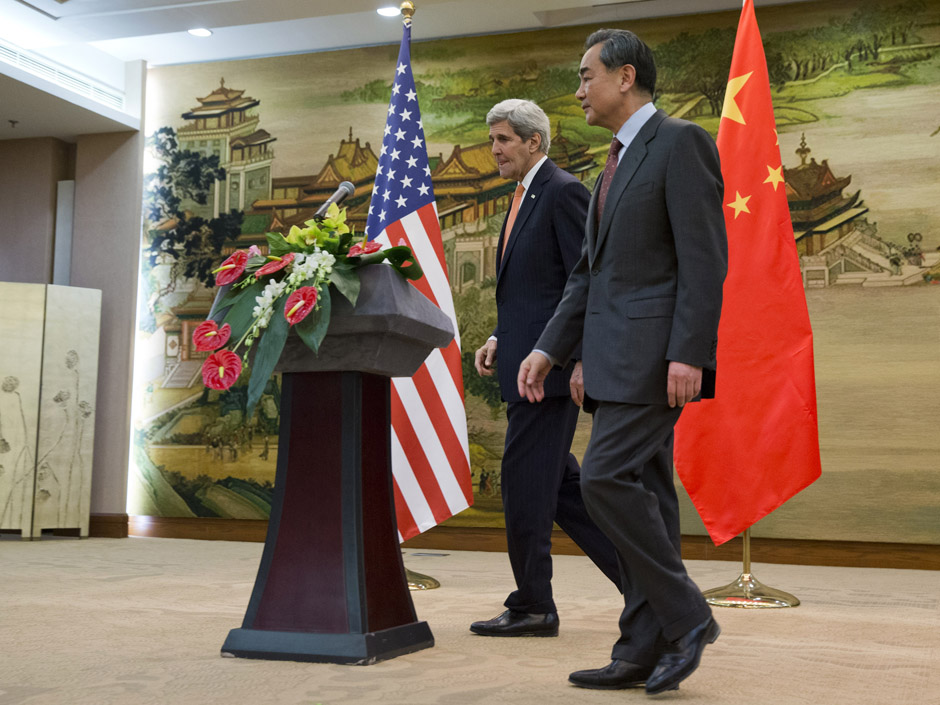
513	211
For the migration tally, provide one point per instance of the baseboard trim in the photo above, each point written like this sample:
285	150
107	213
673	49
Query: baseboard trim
108	526
203	528
852	554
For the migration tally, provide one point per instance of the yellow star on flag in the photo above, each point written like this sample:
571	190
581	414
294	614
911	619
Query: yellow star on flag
739	204
730	109
774	176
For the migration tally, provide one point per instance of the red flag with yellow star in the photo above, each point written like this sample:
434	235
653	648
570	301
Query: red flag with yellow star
755	445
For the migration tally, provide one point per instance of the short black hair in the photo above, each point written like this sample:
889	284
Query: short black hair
623	47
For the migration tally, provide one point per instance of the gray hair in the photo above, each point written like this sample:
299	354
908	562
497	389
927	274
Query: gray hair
524	117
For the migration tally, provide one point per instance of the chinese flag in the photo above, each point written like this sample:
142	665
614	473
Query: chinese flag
747	451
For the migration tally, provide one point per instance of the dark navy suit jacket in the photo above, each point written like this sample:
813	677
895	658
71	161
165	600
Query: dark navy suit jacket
531	274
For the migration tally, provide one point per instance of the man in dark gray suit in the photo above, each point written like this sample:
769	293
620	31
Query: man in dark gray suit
643	302
538	246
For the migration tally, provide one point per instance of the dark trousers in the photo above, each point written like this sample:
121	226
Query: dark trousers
540	484
628	489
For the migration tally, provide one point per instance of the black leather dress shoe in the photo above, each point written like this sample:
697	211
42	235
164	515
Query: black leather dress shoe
682	658
616	675
512	623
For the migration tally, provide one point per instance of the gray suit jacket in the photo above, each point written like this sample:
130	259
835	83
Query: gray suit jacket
647	289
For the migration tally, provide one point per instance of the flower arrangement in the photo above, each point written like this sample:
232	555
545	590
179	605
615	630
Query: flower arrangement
287	289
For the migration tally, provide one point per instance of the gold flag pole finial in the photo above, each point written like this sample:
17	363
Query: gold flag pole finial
407	10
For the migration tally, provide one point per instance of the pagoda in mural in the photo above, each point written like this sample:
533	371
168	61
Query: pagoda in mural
573	157
224	125
836	243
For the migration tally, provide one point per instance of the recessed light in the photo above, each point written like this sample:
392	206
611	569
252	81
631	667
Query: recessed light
389	11
200	32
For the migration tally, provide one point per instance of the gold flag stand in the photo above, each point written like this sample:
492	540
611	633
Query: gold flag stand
418	581
747	591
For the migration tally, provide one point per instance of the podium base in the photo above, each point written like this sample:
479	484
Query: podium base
353	649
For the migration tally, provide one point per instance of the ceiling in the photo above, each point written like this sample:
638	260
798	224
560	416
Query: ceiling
109	32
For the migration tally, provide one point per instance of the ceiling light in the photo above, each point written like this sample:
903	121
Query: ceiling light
200	32
389	11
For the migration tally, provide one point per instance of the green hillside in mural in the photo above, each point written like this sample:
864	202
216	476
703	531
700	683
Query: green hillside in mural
246	147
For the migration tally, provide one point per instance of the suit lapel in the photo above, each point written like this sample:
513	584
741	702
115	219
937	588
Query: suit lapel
590	229
629	164
530	200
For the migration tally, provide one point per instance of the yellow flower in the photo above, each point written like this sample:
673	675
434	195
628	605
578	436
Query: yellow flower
334	222
296	236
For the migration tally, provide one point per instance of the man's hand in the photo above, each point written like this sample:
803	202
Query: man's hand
684	383
484	358
576	384
532	373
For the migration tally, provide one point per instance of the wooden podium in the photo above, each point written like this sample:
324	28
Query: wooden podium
331	586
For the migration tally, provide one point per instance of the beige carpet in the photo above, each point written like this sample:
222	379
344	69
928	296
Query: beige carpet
141	621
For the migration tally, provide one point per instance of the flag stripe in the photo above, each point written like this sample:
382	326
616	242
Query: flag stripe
406	521
431	445
451	359
440	364
434	284
416	459
429	219
442	421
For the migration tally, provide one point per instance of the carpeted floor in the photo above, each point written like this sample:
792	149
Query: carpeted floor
141	621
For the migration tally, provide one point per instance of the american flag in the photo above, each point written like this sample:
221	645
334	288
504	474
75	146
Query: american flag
430	458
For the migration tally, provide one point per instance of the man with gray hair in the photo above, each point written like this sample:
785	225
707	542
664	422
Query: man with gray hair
539	244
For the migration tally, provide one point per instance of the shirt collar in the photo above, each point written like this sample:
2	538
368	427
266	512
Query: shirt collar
527	179
632	126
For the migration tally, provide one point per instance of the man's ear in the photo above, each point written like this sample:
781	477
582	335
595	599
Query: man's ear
627	77
535	143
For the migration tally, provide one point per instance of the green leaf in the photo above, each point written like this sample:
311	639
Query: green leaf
231	297
344	241
267	353
241	315
277	245
346	280
312	330
403	259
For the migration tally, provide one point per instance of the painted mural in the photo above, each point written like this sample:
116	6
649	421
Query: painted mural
243	147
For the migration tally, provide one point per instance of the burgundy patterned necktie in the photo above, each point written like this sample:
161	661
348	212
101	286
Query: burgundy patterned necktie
607	176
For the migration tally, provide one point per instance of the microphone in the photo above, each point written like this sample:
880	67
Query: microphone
345	190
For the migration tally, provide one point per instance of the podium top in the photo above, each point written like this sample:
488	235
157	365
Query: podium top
390	331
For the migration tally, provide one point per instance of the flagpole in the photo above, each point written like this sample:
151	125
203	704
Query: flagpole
747	591
407	11
416	581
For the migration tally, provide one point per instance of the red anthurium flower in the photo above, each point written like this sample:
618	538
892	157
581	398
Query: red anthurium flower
275	264
221	369
208	335
363	248
231	268
300	303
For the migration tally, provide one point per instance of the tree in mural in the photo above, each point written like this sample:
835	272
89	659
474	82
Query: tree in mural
697	63
476	320
191	245
873	26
